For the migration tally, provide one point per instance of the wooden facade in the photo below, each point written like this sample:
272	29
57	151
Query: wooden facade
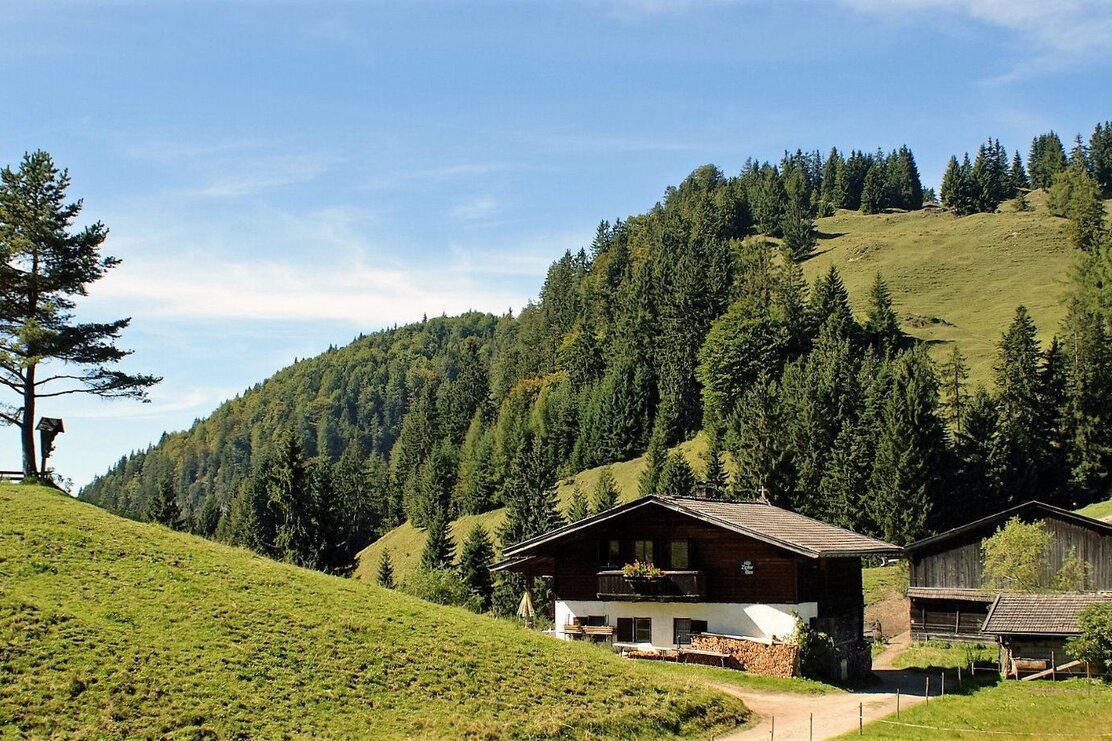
704	562
947	592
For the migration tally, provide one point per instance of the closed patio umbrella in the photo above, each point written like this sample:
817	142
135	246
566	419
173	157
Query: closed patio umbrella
525	609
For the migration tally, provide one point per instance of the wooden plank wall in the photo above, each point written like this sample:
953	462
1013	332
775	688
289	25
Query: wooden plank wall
958	563
717	552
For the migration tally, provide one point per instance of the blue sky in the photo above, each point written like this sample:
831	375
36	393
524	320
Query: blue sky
281	176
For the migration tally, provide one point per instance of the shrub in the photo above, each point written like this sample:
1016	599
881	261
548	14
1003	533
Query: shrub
1095	642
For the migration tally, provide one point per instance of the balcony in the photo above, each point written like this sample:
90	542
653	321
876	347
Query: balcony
670	586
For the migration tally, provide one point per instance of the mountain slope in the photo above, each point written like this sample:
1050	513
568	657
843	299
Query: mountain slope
114	629
955	280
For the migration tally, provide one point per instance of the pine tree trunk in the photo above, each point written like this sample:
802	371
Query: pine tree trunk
27	426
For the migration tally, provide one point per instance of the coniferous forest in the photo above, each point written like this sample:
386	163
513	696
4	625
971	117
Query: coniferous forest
694	316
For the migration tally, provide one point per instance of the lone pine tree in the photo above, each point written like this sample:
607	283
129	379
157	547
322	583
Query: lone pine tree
45	265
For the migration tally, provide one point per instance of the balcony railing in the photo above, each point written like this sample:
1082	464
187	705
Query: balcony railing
670	586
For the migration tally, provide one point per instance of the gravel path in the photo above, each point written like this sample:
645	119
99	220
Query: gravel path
806	717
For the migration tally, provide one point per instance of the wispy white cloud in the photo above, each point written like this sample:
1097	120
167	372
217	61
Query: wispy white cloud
348	290
1078	29
164	401
479	207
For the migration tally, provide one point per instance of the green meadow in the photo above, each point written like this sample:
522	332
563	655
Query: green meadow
115	629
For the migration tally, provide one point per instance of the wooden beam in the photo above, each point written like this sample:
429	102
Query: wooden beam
1053	670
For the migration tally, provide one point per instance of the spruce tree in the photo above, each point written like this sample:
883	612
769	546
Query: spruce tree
293	501
1017	176
1020	445
798	221
1088	345
1100	156
974	492
872	192
715	477
1076	196
954	374
606	491
163	507
757	441
578	508
439	547
655	457
676	478
475	558
882	327
905	484
950	189
385	574
1046	158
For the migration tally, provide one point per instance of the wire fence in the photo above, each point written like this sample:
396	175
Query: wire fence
831	717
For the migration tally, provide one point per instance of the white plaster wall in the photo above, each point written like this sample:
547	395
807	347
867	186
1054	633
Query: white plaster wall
749	620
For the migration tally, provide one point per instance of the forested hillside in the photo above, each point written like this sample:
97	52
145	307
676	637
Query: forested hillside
724	308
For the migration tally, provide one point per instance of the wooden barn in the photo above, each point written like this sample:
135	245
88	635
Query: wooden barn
1032	630
734	569
947	594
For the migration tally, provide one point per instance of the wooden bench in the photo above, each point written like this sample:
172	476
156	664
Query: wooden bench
592	631
683	653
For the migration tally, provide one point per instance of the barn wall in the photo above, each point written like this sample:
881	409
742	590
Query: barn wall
956	563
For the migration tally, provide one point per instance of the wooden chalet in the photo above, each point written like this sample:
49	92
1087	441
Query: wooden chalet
947	594
1032	630
738	569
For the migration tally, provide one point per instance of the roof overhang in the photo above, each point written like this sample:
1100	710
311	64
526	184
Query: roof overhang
526	547
1007	514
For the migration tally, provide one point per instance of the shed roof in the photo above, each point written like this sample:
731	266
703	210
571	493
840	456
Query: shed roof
1025	508
780	527
1039	614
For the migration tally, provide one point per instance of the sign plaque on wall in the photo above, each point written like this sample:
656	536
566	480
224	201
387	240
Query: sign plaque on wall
747	568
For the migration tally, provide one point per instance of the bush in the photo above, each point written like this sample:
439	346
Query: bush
1095	642
816	651
441	586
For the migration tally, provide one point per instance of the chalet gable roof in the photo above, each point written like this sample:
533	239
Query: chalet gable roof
779	527
1039	614
1025	508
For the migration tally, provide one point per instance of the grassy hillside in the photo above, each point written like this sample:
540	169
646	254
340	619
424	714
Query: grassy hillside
1098	510
954	280
405	543
115	629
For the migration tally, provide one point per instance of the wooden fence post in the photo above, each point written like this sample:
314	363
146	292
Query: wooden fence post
860	719
897	703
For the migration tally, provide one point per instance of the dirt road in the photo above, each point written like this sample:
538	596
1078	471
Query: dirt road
805	717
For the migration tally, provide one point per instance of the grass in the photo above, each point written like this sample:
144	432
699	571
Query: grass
116	629
1070	709
405	542
742	680
931	655
1098	510
954	280
884	582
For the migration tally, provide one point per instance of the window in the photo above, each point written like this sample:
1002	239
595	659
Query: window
681	631
684	628
679	555
643	550
596	621
642	630
613	553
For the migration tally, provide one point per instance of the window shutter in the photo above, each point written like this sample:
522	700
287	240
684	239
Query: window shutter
625	630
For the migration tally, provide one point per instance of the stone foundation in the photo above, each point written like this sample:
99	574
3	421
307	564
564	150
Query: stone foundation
755	657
